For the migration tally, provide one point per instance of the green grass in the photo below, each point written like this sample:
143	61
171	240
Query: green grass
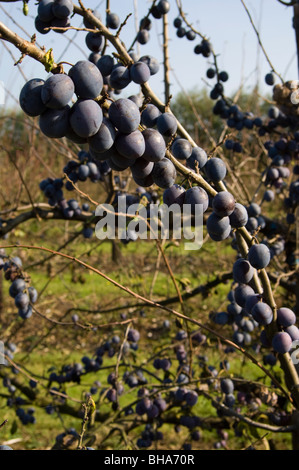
77	288
43	433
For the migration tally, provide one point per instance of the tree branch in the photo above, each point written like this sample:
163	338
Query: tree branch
29	48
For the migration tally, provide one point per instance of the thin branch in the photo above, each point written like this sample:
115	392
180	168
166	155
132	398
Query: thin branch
260	41
166	59
29	48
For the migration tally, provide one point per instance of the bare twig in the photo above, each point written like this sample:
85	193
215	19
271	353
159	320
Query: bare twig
260	41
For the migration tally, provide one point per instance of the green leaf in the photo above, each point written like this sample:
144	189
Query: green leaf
49	60
143	201
254	432
92	405
185	282
25	7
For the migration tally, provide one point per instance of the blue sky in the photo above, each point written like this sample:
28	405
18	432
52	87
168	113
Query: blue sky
224	22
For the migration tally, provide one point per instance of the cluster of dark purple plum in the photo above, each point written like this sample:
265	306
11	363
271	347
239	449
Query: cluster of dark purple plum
20	290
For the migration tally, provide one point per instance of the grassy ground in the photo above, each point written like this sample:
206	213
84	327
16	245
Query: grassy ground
44	346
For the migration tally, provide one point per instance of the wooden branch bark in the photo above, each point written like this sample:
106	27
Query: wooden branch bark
29	48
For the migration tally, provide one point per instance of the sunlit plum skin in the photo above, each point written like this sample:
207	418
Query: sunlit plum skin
130	145
281	342
286	317
86	118
191	398
140	73
174	195
105	64
167	124
164	173
223	204
155	147
30	97
120	77
22	300
293	331
104	138
62	8
94	41
218	227
142	168
42	27
124	115
227	386
259	256
262	313
59	25
150	115
45	11
163	7
197	195
215	169
239	217
87	79
242	271
57	91
253	210
54	123
133	335
250	302
117	161
112	21
241	292
143	36
151	62
181	149
197	159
